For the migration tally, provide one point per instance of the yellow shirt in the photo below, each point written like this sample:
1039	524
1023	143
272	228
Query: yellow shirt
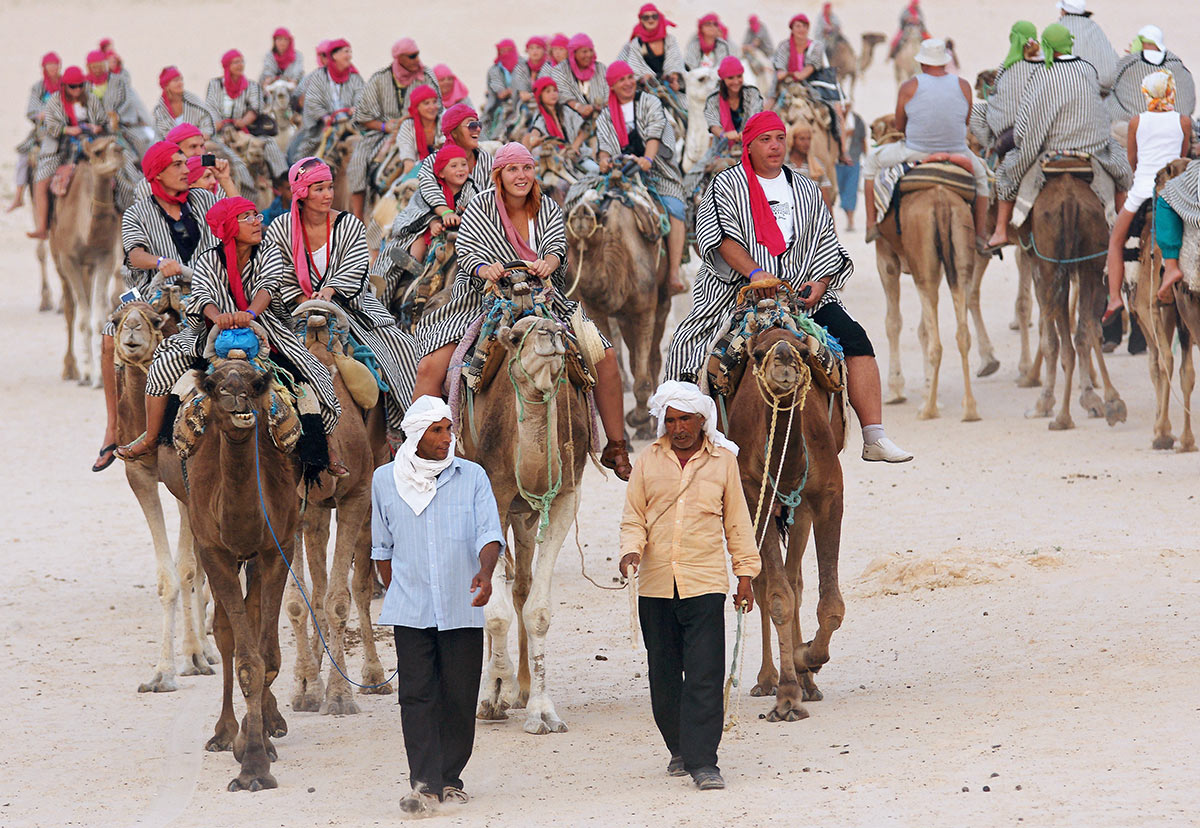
679	519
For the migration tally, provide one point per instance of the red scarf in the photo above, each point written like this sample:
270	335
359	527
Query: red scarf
706	46
650	35
233	87
796	56
158	158
617	70
283	61
550	116
766	228
726	115
97	57
167	75
534	68
50	85
419	94
68	108
580	41
506	54
222	219
336	75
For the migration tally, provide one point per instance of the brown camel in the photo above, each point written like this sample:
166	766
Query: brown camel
1065	231
797	106
84	236
869	41
904	61
337	151
778	403
360	451
531	431
842	58
250	149
620	273
139	330
245	515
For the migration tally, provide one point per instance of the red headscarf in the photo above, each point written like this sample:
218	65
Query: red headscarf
323	52
509	154
537	40
183	132
458	93
113	57
73	76
158	158
445	155
405	46
559	41
96	56
314	172
650	35
454	116
795	56
334	74
419	94
827	13
580	41
288	57
196	169
506	54
755	24
729	67
766	229
222	219
617	70
707	46
49	84
168	74
553	128
233	88
106	45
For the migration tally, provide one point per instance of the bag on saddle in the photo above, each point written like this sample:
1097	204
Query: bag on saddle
359	380
283	421
483	358
729	358
1068	163
926	176
263	126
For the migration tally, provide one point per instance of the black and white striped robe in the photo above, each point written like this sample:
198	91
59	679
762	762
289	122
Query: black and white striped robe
56	147
693	58
320	101
523	77
481	241
634	53
35	105
406	141
570	121
271	71
999	112
116	100
372	325
210	286
1061	110
1126	98
814	55
430	191
548	69
197	113
1092	44
570	88
1183	194
382	99
751	105
136	111
250	100
497	115
724	212
652	123
760	39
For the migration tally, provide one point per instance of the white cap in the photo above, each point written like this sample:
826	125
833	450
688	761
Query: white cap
1073	6
933	52
1151	34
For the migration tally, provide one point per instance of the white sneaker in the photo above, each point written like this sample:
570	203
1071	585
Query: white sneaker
885	450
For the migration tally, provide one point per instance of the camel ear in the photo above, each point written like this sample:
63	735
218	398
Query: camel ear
261	383
208	385
508	337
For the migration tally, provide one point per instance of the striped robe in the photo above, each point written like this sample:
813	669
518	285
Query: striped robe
724	212
271	70
1061	110
570	121
1003	104
35	105
370	322
57	148
1126	99
381	100
197	113
652	122
135	110
1092	44
634	52
251	100
1183	194
751	105
760	39
548	69
481	241
693	58
430	192
523	76
210	286
814	56
497	114
569	88
406	141
142	190
117	98
319	102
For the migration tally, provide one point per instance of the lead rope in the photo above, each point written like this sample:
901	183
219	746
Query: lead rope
738	660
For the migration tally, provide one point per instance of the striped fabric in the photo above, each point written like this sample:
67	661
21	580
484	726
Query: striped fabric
522	78
117	98
751	105
1183	194
1126	99
1002	105
760	40
381	100
570	121
693	59
251	99
271	70
34	104
370	322
548	69
406	141
195	111
319	101
56	147
137	114
434	555
815	253
1092	45
634	52
480	179
652	123
814	55
1062	110
144	225
570	88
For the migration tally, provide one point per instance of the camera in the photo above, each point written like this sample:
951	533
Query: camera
208	160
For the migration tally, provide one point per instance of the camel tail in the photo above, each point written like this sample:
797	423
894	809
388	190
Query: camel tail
1069	235
943	234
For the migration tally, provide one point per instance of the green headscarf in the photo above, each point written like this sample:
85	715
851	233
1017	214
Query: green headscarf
1021	33
1056	38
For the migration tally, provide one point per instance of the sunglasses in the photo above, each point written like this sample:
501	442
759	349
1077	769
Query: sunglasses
411	55
474	126
74	85
649	17
251	218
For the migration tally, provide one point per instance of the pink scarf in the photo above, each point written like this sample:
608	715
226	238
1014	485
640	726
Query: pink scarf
222	219
553	128
617	70
303	174
405	46
283	61
537	40
336	75
707	46
766	228
580	41
796	56
420	94
49	84
513	153
458	93
233	87
650	35
506	54
729	67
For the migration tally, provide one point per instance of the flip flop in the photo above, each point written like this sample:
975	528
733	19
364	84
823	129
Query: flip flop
111	451
1110	314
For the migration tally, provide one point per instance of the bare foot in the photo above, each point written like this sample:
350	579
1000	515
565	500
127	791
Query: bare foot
998	239
1166	291
677	285
18	201
38	234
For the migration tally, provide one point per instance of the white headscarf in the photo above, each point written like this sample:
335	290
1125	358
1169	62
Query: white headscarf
416	477
688	398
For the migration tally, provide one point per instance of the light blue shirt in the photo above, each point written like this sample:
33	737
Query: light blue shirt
435	554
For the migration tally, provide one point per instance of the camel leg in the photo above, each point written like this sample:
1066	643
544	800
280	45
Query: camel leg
524	527
498	692
70	363
540	715
638	336
315	530
1091	295
190	577
227	727
1159	362
353	514
781	606
1187	382
1067	356
987	353
931	342
362	587
768	676
99	309
1030	366
797	542
47	298
1052	306
831	609
961	296
274	579
143	479
307	691
888	264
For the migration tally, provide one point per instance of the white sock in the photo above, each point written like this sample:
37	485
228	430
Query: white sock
872	434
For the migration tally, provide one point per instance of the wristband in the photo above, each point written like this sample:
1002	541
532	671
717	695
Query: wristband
253	315
476	271
750	275
446	211
158	264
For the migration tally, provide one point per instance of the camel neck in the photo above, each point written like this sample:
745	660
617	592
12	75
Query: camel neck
239	503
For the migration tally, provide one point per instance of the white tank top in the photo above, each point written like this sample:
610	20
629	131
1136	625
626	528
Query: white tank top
1159	139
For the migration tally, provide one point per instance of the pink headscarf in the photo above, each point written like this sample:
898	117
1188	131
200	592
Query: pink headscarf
168	74
183	132
445	155
506	54
96	56
334	74
454	116
650	35
158	158
72	76
222	219
233	88
617	70
580	41
795	56
288	57
405	46
509	154
458	93
420	93
537	40
48	83
766	229
729	67
553	128
303	174
106	44
196	169
707	46
323	52
756	24
559	41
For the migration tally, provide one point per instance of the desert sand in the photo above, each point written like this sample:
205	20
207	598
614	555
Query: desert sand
1021	604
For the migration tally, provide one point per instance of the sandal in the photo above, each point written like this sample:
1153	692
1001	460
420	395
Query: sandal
337	468
1109	313
100	464
616	457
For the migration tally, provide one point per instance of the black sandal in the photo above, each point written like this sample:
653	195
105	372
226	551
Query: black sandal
101	465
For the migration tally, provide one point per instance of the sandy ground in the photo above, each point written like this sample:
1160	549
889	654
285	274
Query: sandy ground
996	588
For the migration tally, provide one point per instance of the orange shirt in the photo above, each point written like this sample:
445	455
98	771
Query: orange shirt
680	519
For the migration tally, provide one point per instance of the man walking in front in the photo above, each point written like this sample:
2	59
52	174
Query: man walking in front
435	538
683	506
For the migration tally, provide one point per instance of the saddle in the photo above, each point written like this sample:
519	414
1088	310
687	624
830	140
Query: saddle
926	176
589	199
1078	164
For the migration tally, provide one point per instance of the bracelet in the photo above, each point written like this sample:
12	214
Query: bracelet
476	271
253	315
750	275
446	211
158	264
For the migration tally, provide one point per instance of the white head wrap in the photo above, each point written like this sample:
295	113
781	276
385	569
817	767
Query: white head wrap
1073	6
688	398
416	477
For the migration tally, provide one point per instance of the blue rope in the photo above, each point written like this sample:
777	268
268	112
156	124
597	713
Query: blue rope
792	500
366	356
1033	246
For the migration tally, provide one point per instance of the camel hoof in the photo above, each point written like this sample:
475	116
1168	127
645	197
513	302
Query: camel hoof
306	703
1115	411
928	413
761	690
490	711
272	754
340	706
278	730
1090	401
971	416
1163	443
1014	325
161	683
1038	411
1061	424
812	694
70	373
253	783
989	368
896	399
211	656
792	714
197	666
218	744
637	419
1026	381
1185	448
376	687
542	725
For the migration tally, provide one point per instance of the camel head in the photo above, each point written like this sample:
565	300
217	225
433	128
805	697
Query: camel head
1170	171
539	348
779	360
701	82
139	330
985	83
320	337
883	129
104	155
239	392
278	97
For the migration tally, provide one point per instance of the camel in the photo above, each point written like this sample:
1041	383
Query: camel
277	101
1065	229
361	451
759	72
531	431
701	83
621	276
335	148
778	396
869	41
245	516
85	233
250	149
842	58
139	330
904	61
795	105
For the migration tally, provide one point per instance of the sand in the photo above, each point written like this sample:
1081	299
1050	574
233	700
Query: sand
1021	604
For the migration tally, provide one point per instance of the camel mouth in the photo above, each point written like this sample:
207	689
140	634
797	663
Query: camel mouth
247	420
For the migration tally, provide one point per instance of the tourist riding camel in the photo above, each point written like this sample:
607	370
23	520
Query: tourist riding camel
709	46
828	26
192	144
282	62
557	56
1091	43
580	79
757	213
238	101
331	97
178	107
910	15
554	120
453	90
651	52
1177	207
420	134
1148	54
757	37
994	119
733	104
39	94
529	68
798	58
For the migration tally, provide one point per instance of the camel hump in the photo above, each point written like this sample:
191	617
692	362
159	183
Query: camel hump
927	175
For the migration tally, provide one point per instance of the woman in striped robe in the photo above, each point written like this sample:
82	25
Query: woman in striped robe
238	101
509	222
708	47
652	52
554	120
580	79
325	256
331	95
453	90
530	67
35	106
282	61
423	110
500	106
733	104
798	58
235	283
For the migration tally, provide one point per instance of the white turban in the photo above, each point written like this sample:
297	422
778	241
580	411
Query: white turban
688	398
1073	6
416	477
1151	34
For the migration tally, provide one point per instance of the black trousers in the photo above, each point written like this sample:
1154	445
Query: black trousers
685	651
438	679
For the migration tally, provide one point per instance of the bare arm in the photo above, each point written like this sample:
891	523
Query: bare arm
967	93
1131	141
384	568
1186	123
739	259
907	90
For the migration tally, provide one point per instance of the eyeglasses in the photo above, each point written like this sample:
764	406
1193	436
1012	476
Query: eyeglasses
474	126
74	85
411	55
649	17
251	218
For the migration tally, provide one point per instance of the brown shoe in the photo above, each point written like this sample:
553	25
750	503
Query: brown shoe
616	457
